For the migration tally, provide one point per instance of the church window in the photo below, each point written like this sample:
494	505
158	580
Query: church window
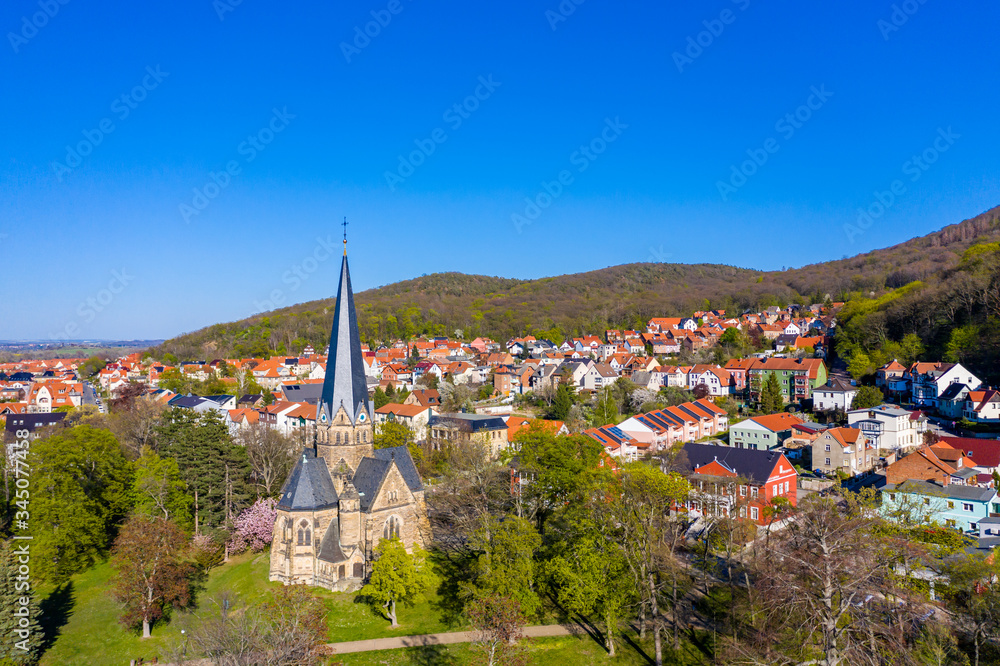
364	436
357	438
340	572
301	535
338	438
308	537
391	528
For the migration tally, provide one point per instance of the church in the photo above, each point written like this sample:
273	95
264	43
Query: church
343	495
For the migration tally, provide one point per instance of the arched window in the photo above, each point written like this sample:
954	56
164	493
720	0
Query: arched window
338	437
364	436
357	438
391	528
308	537
340	572
301	536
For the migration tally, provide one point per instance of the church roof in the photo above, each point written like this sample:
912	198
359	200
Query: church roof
345	382
309	486
372	472
405	464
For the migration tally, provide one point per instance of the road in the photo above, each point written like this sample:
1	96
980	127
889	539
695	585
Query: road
537	631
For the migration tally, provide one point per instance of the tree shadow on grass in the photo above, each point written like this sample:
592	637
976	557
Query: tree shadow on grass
55	611
454	569
432	655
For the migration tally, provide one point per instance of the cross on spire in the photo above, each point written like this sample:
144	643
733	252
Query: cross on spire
344	224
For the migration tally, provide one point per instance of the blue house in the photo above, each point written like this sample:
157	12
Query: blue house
958	506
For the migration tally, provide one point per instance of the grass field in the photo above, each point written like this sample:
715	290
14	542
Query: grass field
560	651
81	624
81	619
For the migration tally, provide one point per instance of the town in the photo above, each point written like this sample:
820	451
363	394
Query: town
742	409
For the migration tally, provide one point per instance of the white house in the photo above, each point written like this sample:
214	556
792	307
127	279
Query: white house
835	394
888	427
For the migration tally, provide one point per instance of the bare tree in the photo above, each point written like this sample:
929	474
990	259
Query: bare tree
813	588
271	455
135	425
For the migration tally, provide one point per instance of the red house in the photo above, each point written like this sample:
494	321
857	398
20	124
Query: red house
728	480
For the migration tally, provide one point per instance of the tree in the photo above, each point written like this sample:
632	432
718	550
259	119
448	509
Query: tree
866	397
254	528
160	490
149	575
561	404
396	576
380	399
859	365
389	434
20	632
506	561
593	576
771	398
135	425
82	488
976	598
562	468
813	588
270	453
642	496
497	621
216	471
289	628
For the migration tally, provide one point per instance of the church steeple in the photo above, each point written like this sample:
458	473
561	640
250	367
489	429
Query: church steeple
345	383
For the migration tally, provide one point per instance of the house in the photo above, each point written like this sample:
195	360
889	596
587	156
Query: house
447	429
616	443
929	380
891	378
925	464
726	481
836	394
424	398
890	428
959	507
517	424
413	416
763	432
984	453
843	450
33	424
983	406
686	422
717	380
737	369
796	377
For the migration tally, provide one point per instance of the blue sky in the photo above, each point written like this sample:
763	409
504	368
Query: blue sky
644	110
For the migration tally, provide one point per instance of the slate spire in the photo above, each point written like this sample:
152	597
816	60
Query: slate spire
345	383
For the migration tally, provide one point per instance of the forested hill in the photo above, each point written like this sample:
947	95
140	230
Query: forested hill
556	307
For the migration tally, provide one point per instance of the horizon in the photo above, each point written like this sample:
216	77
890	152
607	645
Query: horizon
170	167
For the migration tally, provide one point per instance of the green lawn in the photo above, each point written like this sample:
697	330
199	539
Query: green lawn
560	651
86	617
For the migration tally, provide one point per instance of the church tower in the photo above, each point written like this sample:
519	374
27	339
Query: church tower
344	415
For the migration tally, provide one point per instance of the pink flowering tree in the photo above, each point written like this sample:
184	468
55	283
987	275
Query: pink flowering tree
254	527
